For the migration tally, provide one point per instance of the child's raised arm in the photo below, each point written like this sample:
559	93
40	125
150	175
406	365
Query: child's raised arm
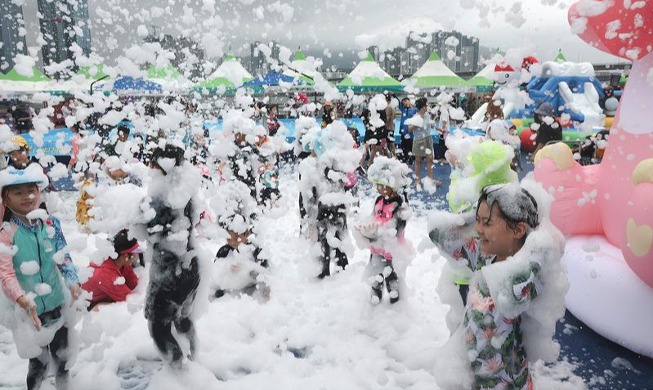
453	234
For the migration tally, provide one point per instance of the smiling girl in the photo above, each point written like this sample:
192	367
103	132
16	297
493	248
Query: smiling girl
31	278
505	260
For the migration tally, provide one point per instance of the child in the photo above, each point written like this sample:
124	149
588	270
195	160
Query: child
515	142
516	289
336	157
114	279
240	263
36	286
82	215
174	273
19	153
383	232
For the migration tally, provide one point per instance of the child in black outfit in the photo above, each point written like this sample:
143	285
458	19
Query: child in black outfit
240	263
174	273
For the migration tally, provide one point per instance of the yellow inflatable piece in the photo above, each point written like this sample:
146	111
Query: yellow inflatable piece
643	172
559	153
640	238
608	122
518	122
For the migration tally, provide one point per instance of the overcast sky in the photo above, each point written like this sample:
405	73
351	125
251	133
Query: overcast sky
334	28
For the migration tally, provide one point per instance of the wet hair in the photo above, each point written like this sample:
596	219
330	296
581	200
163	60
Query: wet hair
123	129
514	203
169	151
420	103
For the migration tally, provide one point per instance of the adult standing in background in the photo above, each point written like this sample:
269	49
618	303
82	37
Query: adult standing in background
547	127
23	118
390	123
406	143
423	142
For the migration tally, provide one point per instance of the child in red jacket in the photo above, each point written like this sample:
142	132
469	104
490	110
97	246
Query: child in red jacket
114	279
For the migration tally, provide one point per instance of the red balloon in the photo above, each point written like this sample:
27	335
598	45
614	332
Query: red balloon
623	31
527	140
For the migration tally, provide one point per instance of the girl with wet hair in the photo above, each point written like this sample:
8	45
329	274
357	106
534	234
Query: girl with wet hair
506	264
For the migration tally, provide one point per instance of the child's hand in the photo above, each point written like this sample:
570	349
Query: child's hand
366	227
75	292
30	308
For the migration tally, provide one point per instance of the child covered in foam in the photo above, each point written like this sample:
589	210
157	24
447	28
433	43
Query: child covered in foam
511	254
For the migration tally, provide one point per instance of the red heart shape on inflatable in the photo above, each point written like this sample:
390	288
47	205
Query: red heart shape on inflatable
623	28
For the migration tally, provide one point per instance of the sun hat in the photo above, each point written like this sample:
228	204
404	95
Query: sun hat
545	109
33	173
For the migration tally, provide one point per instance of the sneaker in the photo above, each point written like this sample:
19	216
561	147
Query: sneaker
377	295
394	296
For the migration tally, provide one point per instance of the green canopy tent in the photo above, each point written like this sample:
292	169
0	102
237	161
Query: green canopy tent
433	74
13	81
368	77
301	69
483	81
560	57
168	77
82	80
228	77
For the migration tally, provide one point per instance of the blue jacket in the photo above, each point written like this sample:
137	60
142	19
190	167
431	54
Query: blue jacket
406	113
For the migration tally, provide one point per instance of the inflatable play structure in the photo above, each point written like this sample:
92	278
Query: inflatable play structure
571	88
606	210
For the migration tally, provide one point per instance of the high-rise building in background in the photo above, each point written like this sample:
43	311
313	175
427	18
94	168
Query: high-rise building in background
257	63
400	62
461	53
12	33
419	46
64	23
188	56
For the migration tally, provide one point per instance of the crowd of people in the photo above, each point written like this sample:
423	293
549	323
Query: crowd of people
197	184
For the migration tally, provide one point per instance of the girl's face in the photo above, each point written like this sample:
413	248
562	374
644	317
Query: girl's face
20	157
23	198
496	236
385	191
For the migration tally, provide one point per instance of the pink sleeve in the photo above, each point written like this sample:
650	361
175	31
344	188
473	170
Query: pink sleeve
73	158
10	285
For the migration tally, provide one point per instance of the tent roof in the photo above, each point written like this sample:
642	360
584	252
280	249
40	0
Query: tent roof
299	56
166	72
560	57
368	75
434	73
139	84
272	78
302	69
92	72
482	78
229	74
13	75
